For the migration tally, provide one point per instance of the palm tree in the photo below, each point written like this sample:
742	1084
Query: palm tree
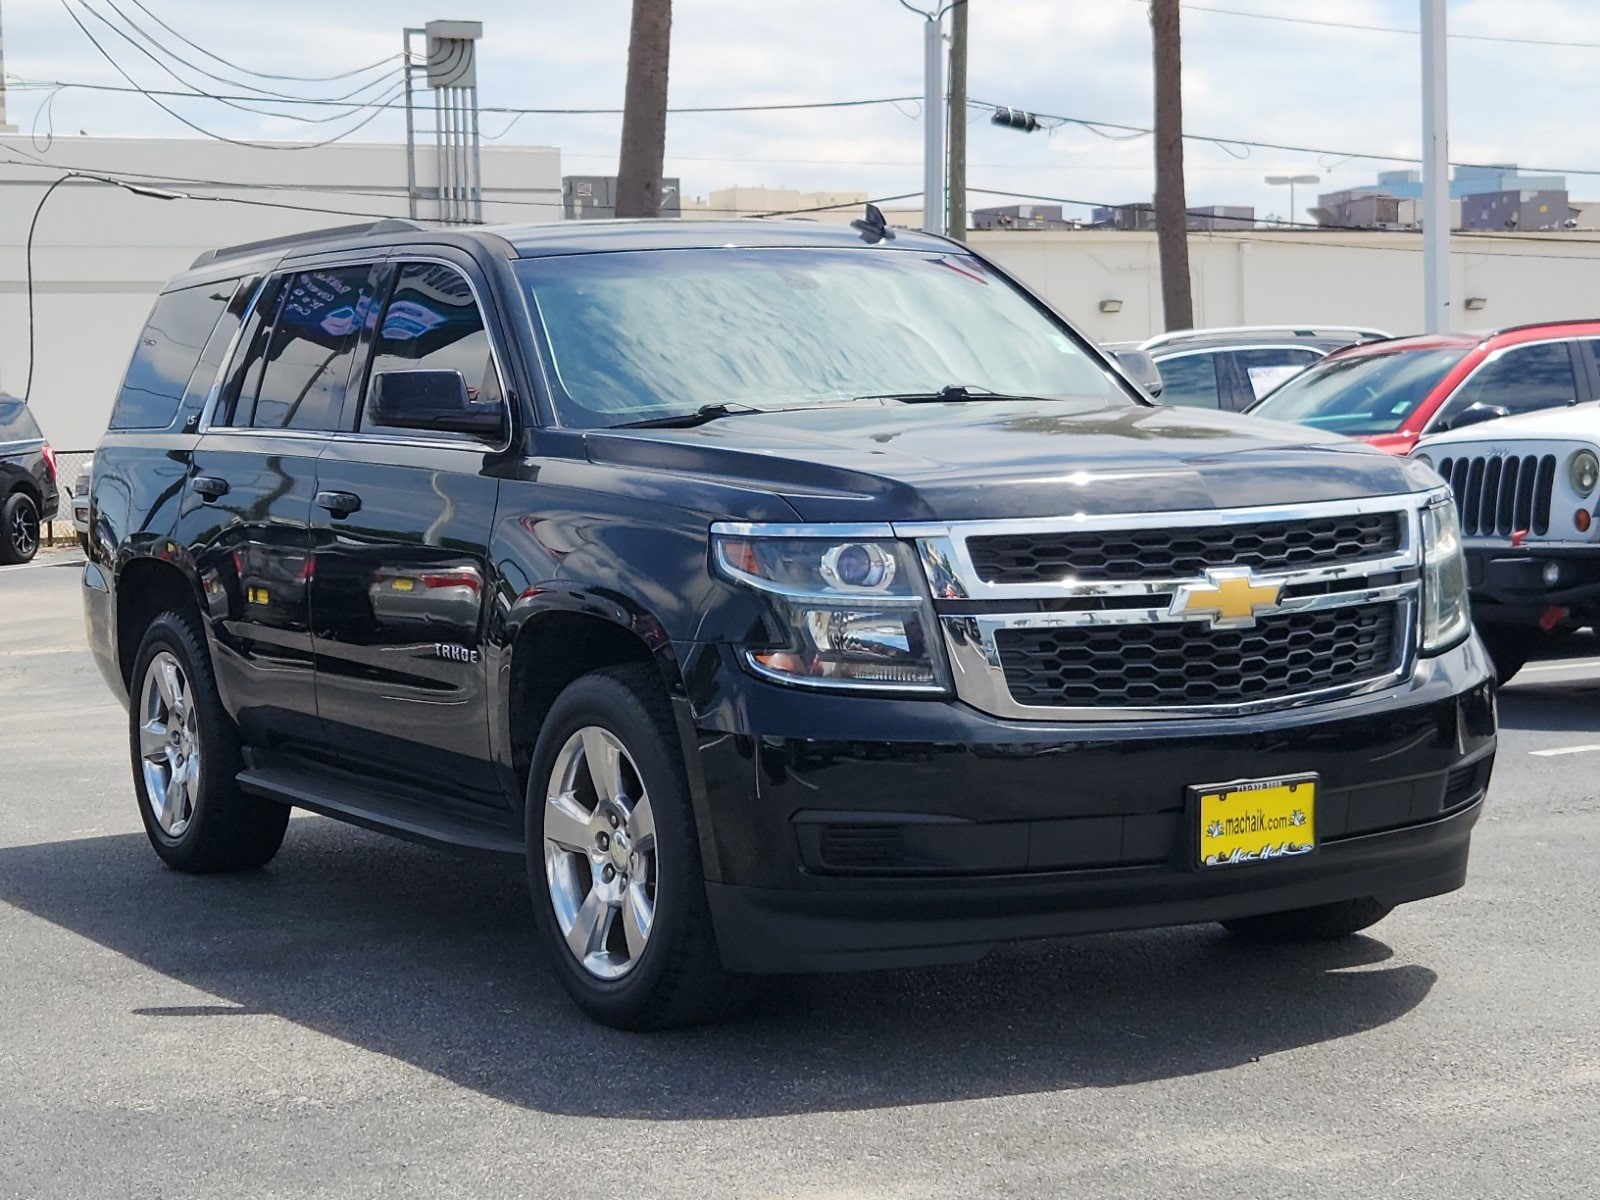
644	111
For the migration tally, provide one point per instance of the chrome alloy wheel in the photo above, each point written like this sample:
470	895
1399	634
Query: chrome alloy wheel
24	531
600	853
169	744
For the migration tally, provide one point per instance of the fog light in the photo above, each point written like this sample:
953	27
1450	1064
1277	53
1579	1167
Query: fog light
1581	520
1551	574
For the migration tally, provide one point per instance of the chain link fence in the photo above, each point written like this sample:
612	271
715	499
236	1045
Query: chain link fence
69	465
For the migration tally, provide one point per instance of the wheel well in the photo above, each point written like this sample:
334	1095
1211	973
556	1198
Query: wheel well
550	652
146	588
26	486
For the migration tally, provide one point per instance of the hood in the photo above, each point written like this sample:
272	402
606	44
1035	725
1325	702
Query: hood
1006	459
1579	422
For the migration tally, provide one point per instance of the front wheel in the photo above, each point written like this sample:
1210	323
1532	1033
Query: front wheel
613	860
19	528
1319	924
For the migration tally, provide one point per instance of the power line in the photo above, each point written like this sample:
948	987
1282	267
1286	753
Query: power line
170	111
22	84
1225	142
383	81
350	74
1326	24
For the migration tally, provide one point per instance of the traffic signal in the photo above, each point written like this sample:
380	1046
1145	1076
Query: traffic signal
1015	118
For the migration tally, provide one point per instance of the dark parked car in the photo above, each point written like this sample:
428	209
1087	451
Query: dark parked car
1232	368
1392	393
786	599
28	495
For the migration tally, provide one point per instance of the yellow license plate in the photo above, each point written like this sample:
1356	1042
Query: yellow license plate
1256	820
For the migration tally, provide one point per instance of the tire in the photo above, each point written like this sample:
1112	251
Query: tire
185	751
634	820
19	528
1323	923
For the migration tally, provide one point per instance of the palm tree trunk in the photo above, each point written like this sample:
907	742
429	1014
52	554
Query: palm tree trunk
644	111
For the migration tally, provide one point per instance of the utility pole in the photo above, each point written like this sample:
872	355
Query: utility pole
933	122
1435	170
644	111
4	127
1172	207
958	121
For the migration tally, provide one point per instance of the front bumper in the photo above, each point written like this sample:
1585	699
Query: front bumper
1508	585
842	833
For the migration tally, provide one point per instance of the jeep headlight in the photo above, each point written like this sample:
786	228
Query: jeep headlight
1445	614
1584	471
849	613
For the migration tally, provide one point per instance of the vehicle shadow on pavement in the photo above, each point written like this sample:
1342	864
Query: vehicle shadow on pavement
430	959
1550	705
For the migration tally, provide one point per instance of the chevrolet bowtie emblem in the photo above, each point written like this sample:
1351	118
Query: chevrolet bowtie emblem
1231	599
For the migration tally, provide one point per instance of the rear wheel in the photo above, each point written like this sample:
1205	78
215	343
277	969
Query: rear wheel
613	860
185	759
19	528
1320	924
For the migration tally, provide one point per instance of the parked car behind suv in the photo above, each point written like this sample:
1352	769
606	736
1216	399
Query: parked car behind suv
1393	393
1232	368
786	599
1528	489
28	495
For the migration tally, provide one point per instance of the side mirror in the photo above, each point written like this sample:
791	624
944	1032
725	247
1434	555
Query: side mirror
436	401
1142	368
1477	414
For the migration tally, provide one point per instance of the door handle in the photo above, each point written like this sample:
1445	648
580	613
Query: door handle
211	487
340	504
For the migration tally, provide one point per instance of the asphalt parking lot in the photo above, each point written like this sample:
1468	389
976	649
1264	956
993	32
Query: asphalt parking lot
367	1018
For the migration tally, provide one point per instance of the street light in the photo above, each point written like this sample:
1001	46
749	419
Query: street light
1292	180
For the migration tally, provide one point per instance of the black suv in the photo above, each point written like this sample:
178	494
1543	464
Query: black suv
789	599
28	494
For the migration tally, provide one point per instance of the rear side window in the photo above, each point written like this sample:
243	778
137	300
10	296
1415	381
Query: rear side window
1263	368
16	422
1190	381
165	358
300	366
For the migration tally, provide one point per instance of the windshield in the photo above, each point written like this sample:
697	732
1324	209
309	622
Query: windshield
1362	395
643	334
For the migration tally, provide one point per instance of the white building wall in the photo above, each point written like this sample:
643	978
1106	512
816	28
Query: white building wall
102	253
1263	278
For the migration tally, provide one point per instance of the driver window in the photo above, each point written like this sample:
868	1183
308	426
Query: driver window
432	323
1523	379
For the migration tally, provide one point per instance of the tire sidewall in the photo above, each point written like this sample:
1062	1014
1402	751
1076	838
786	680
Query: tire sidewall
218	747
605	701
9	551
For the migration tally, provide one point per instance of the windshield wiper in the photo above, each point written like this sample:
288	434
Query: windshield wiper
954	393
700	416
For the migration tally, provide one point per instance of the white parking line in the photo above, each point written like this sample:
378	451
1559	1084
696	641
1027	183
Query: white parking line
1565	750
1576	664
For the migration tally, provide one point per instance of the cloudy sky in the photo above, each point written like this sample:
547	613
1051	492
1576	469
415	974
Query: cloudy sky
1246	76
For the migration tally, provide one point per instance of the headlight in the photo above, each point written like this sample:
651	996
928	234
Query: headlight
1584	471
849	613
1445	615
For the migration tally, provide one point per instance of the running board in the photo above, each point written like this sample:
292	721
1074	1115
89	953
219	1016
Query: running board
379	811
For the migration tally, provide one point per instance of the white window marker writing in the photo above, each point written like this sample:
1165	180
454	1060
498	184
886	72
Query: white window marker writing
1565	750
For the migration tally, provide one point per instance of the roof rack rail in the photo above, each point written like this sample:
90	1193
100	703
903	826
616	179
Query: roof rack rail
1541	325
1310	330
367	229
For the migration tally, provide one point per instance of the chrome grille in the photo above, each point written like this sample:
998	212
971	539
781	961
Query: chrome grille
1166	553
1502	494
1140	666
1097	618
